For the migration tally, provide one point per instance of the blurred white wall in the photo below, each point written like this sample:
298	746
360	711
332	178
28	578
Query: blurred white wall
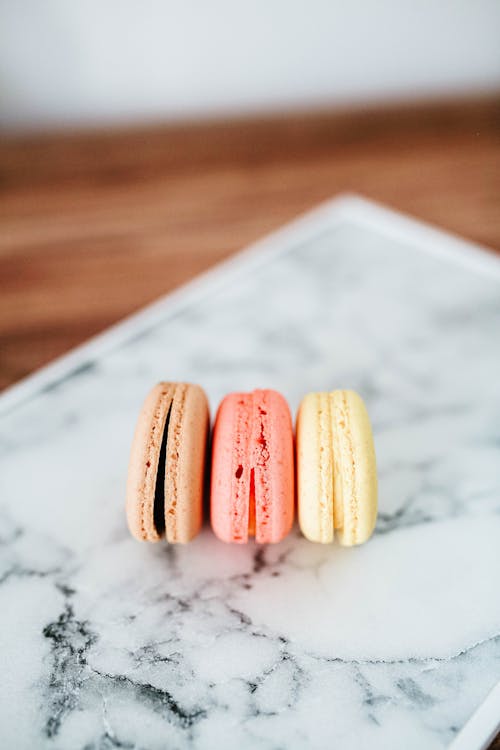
87	61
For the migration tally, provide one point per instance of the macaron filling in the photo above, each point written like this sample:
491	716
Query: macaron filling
252	512
159	498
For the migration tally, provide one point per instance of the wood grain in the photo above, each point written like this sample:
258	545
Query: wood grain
95	225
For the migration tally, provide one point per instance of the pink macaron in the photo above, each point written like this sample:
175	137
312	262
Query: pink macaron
252	486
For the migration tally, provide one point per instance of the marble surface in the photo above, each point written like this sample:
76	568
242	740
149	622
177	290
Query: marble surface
106	642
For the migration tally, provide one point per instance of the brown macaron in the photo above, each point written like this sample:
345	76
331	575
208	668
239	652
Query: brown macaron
167	464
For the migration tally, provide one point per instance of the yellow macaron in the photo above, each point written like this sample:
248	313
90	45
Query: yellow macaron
336	468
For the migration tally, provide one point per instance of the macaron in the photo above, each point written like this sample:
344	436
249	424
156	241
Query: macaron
336	469
167	464
252	483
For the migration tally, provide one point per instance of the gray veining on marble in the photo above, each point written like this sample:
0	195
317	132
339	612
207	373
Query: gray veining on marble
109	643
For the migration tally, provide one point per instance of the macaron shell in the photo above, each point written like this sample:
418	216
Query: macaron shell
143	466
231	466
185	468
273	467
315	468
355	472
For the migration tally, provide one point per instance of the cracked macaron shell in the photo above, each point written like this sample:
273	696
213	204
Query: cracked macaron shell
183	409
252	485
336	468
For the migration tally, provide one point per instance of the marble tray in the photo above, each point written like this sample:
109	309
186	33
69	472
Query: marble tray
108	643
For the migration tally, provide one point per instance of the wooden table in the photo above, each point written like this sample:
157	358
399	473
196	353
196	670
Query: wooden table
95	225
